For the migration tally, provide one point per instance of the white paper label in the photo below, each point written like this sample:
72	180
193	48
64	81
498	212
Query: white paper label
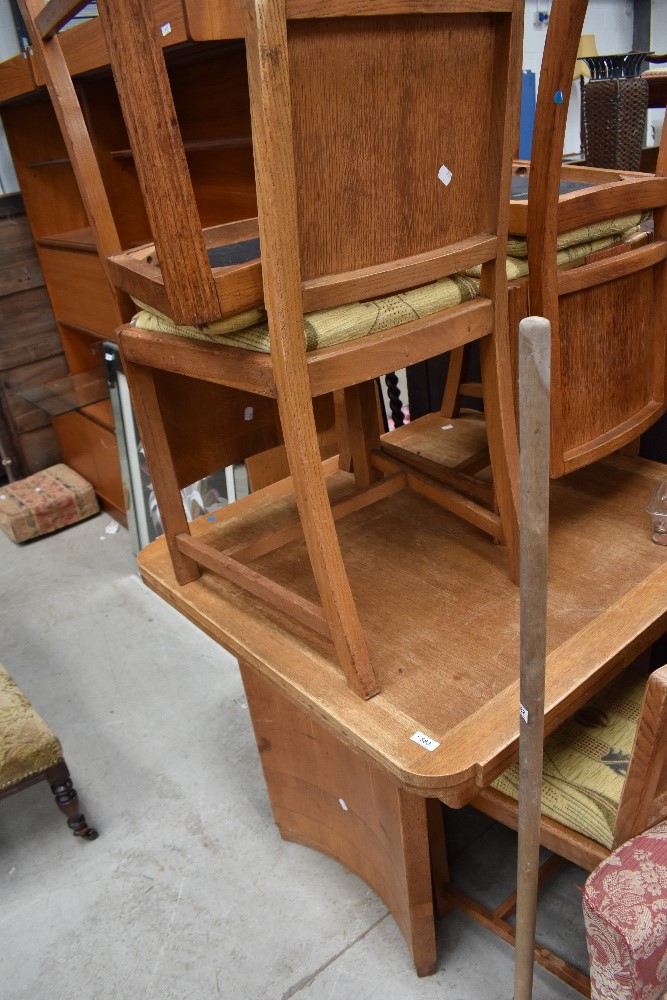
424	741
249	413
523	712
166	29
444	175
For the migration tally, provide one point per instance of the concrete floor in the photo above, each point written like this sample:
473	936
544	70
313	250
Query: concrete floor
189	892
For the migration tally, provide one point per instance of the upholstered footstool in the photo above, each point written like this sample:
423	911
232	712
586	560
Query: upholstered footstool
625	912
29	752
45	502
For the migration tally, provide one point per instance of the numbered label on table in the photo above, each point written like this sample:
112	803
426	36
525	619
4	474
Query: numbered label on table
424	741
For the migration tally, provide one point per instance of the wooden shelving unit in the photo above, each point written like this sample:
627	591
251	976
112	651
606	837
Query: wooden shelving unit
211	94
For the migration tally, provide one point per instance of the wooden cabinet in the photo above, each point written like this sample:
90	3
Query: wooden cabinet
211	94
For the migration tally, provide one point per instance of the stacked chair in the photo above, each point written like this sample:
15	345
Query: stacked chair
594	266
374	196
604	776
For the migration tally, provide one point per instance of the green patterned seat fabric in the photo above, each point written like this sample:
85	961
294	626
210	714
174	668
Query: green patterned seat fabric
328	327
613	229
572	245
27	745
586	760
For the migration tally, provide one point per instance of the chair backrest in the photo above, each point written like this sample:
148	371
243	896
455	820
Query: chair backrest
379	105
609	318
365	150
644	799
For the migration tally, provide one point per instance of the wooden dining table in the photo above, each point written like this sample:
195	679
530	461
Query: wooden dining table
363	780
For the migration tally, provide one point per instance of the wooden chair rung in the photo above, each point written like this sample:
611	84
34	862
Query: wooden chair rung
246	552
459	477
56	14
285	600
503	929
443	495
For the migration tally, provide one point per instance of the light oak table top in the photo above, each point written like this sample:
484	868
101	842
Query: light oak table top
441	618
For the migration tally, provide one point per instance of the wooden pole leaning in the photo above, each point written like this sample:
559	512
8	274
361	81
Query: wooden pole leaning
534	416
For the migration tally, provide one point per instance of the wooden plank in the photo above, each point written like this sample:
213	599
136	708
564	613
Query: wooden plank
80	292
554	836
56	14
603	271
364	8
620	435
76	239
362	211
372	282
286	601
358	361
452	501
84	46
20	266
607	200
197	359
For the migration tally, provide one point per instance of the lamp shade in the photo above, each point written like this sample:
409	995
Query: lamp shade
587	47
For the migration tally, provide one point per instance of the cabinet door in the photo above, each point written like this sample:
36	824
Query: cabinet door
91	450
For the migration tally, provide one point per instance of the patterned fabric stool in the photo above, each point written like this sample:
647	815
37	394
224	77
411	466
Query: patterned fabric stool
45	502
29	752
625	912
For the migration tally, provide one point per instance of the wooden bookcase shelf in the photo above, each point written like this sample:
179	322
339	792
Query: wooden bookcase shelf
209	82
198	146
76	239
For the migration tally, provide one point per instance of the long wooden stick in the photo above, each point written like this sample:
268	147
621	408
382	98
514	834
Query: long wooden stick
534	362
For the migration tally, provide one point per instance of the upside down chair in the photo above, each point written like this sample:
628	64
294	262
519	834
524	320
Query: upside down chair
353	268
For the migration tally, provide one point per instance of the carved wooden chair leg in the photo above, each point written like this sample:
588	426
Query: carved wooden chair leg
67	800
395	401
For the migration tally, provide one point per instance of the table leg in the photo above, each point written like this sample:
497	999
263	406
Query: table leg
328	797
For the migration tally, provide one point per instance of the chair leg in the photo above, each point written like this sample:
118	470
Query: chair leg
298	424
146	405
451	399
503	443
363	430
67	801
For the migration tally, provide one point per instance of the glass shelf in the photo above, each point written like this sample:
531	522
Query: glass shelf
63	395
